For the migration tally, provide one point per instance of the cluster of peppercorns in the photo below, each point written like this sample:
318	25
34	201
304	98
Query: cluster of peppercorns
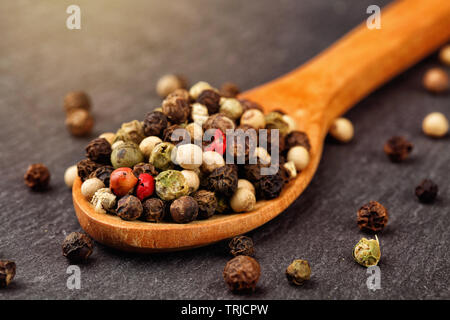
173	165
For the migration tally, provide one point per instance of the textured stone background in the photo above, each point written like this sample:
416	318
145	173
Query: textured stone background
118	56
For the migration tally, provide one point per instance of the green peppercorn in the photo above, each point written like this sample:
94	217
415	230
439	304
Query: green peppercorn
367	252
274	120
171	184
298	272
161	156
132	131
126	155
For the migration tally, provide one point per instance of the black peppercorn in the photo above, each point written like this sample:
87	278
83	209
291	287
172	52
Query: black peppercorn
184	209
241	245
143	167
223	180
86	167
427	191
269	186
99	150
297	138
239	147
154	123
7	272
223	205
242	273
154	210
77	247
211	100
398	149
252	172
103	173
176	109
229	90
266	141
372	217
37	176
247	105
207	203
129	208
181	135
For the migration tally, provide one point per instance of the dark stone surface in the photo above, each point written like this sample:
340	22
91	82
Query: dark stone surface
117	58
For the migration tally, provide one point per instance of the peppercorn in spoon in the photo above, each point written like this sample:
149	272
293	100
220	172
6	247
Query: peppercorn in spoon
314	95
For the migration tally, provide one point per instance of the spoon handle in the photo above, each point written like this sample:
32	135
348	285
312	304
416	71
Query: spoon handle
361	61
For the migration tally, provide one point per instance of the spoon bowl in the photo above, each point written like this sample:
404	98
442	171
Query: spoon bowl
313	95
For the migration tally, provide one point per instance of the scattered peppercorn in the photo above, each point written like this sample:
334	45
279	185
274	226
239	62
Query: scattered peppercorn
398	149
129	208
242	273
99	150
37	176
372	217
435	125
7	272
103	173
210	99
342	130
154	210
297	138
436	80
223	180
184	209
76	100
444	55
86	167
241	245
367	252
207	203
229	90
298	272
427	191
77	247
154	123
79	122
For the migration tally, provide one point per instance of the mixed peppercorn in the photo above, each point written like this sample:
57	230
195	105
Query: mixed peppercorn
176	159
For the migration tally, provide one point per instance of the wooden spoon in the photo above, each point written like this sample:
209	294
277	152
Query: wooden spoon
313	95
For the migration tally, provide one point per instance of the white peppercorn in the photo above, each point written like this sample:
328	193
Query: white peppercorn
435	125
243	200
148	144
70	175
212	160
290	169
436	80
169	83
242	183
444	55
195	131
103	200
199	113
262	156
192	180
292	125
253	118
198	88
342	130
109	136
231	108
299	156
189	156
90	186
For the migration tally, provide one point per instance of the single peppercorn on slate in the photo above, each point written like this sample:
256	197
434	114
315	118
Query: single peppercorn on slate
241	245
427	191
77	247
242	273
37	176
7	272
298	272
372	217
398	149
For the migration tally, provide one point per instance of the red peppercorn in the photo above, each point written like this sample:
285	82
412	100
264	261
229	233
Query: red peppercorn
145	186
219	143
122	181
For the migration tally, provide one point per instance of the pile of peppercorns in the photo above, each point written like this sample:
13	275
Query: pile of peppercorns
173	165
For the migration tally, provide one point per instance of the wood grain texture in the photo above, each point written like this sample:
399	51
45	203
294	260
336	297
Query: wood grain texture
313	95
